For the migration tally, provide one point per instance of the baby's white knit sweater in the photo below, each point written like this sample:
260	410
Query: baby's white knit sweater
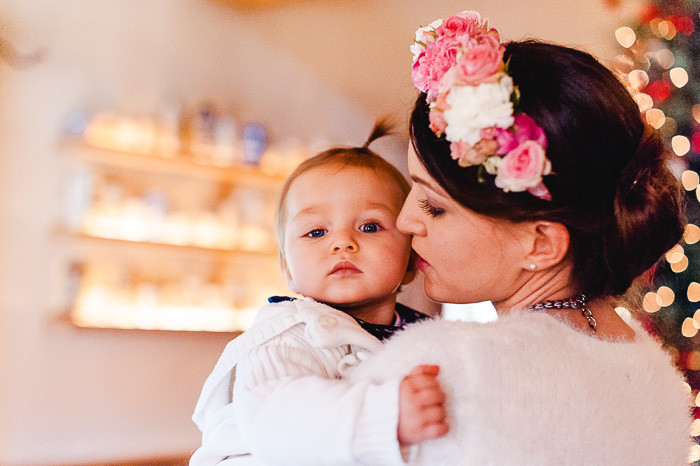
529	389
289	405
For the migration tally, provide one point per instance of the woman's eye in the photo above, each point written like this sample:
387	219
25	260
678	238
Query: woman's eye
317	233
370	227
430	209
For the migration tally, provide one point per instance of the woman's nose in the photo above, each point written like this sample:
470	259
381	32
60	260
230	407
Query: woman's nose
407	222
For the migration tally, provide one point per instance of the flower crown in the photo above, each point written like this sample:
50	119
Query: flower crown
458	63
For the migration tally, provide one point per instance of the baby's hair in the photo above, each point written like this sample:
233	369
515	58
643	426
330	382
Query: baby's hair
342	157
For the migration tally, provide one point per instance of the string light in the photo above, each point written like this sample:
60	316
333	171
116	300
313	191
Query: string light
680	145
689	178
625	36
675	254
691	235
688	329
680	266
639	79
665	296
679	77
651	302
656	118
694	292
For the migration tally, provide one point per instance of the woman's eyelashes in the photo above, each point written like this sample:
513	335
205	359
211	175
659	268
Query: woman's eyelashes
430	209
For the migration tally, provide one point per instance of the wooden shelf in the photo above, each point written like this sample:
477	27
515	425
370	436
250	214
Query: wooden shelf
167	247
179	165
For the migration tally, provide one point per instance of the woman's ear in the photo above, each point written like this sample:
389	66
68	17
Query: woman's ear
411	270
549	245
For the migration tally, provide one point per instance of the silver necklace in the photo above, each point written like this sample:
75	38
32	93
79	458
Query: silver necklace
578	302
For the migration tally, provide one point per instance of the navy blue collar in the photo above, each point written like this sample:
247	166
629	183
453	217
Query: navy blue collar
382	332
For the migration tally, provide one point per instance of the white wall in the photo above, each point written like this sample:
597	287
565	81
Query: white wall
69	396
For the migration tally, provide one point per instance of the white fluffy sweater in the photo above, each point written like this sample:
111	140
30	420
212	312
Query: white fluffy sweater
529	389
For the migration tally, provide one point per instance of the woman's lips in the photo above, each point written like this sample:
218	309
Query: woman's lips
345	269
421	263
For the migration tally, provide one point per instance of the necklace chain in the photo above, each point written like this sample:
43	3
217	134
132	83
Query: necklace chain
578	302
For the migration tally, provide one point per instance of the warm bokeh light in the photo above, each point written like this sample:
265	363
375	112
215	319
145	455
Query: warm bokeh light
680	266
651	302
696	112
694	292
675	254
697	397
638	79
656	118
679	77
644	101
665	296
693	363
680	145
696	319
625	36
695	428
688	329
694	454
691	235
665	58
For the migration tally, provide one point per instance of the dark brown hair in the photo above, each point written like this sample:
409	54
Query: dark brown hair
342	157
610	185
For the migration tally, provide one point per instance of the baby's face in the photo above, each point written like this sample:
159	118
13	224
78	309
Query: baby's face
341	243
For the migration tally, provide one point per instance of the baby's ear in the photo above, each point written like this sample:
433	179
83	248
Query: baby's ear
411	270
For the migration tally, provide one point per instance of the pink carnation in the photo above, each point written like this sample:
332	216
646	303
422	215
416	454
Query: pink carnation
432	64
437	121
481	62
523	168
524	129
467	22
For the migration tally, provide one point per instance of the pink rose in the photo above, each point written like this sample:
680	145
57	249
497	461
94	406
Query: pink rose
482	61
523	168
524	129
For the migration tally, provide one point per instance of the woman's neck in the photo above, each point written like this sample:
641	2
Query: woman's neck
542	285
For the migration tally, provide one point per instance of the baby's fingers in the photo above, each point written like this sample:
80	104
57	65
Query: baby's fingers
425	369
435	430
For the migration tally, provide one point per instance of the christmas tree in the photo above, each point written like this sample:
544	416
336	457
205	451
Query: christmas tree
660	63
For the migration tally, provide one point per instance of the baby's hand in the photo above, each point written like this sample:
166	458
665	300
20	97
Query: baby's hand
422	413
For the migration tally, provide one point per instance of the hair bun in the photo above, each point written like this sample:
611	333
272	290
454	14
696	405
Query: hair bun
649	213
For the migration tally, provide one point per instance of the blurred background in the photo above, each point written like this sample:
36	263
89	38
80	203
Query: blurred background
142	146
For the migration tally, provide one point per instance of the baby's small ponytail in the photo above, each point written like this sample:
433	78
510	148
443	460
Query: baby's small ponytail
382	127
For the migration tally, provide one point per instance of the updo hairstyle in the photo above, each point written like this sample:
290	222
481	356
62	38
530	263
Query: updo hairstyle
610	186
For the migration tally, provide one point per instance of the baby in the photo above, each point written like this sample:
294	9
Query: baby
340	249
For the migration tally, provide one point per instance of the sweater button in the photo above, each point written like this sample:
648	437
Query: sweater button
328	322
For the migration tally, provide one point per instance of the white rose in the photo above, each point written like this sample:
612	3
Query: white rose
472	108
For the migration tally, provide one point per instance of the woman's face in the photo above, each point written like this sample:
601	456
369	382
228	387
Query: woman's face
466	257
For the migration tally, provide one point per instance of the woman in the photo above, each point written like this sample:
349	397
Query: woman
537	186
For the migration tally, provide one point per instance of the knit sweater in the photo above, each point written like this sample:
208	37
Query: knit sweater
288	405
529	389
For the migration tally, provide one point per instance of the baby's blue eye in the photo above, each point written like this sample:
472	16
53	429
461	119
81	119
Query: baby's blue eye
370	227
317	233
